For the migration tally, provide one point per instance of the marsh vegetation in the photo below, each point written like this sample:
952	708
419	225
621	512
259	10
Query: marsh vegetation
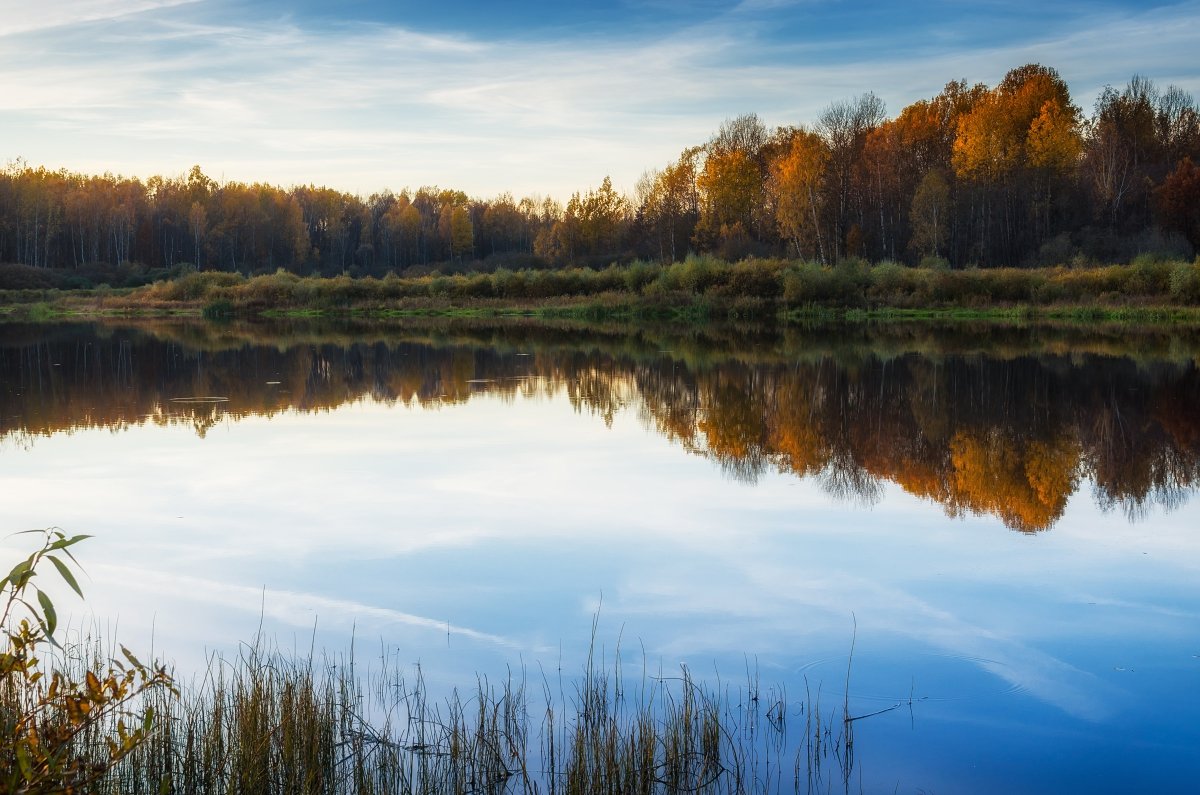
698	289
75	717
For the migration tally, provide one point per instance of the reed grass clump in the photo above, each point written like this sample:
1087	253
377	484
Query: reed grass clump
75	719
266	722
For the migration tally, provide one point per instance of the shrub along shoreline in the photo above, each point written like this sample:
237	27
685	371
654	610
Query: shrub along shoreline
697	289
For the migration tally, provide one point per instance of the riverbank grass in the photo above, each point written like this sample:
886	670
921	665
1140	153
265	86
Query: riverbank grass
696	290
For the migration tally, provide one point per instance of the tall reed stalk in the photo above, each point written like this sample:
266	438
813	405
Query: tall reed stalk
266	722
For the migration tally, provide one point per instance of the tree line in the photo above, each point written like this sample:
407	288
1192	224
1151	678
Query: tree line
1010	175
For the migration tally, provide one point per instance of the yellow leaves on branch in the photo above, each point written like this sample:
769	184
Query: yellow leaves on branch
732	185
1026	121
1054	142
42	739
796	185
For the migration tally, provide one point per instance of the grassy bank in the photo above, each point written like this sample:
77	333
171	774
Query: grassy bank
696	290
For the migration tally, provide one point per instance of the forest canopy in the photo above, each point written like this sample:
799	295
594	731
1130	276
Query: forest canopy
1014	175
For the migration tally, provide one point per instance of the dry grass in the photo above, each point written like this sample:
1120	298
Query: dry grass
752	287
266	722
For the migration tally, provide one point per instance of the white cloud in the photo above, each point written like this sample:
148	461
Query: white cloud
291	608
368	106
17	16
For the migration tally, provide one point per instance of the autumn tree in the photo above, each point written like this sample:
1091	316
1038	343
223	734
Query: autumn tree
1177	125
1178	202
669	203
845	127
1007	175
504	227
605	214
592	225
731	183
896	156
798	185
335	223
457	232
1134	138
399	232
930	213
1023	131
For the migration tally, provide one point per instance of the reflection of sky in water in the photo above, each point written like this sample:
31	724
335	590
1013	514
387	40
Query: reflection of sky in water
486	534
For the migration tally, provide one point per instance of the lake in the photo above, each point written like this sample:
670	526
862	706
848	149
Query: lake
997	523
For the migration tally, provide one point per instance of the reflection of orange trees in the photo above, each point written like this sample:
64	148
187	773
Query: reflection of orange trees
795	437
1009	439
1006	437
1150	457
732	424
604	391
1026	485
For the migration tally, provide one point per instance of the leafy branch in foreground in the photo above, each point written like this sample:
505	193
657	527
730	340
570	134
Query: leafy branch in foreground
62	730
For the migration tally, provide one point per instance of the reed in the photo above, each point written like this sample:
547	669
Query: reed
269	722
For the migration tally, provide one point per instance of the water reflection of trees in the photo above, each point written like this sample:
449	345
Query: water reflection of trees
1012	437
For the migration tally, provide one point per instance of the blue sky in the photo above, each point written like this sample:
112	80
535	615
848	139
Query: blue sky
536	98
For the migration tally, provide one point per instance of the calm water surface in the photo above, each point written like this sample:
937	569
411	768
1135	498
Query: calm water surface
1001	523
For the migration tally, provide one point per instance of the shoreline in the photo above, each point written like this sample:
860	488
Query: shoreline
694	292
76	306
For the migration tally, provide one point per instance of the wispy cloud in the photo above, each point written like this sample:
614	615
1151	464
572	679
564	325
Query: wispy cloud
793	603
22	17
291	608
153	87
